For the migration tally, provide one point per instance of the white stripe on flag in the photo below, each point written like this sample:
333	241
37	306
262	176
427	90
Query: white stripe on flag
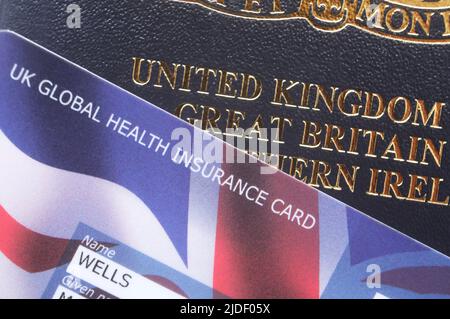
52	201
19	284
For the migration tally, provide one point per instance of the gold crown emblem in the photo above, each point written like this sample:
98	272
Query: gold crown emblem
420	21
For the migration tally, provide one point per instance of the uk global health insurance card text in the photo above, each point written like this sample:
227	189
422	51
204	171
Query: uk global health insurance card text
104	195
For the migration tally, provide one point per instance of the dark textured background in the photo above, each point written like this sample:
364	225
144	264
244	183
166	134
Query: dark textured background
113	31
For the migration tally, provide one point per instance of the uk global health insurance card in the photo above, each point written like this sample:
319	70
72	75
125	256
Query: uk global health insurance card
103	195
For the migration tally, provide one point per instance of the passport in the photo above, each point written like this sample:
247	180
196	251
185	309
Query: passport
105	196
357	92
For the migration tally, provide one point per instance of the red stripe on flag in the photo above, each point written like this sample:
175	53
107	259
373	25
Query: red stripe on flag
259	254
29	250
